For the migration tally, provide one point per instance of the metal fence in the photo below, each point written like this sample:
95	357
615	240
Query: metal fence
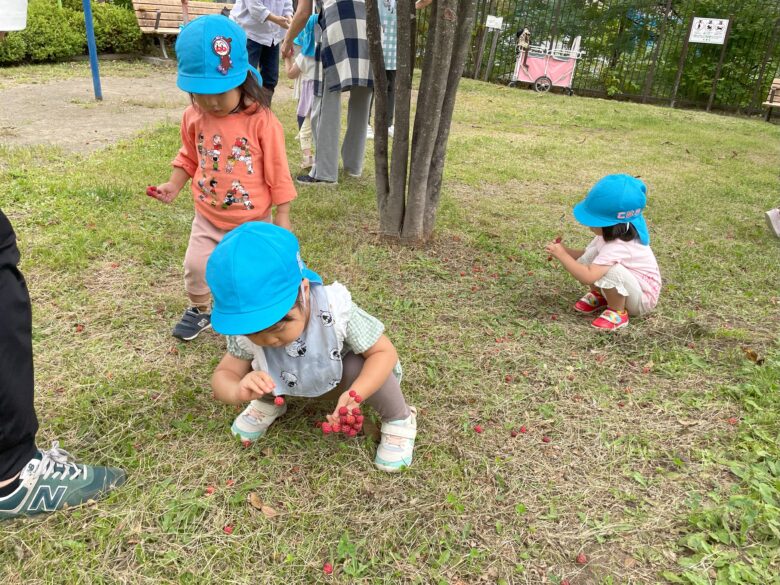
638	49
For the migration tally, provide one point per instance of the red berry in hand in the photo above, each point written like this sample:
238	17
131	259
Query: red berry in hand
327	568
352	393
478	428
343	411
351	433
582	559
343	420
545	439
523	429
151	190
279	401
350	419
359	419
227	529
326	428
356	411
358	398
336	427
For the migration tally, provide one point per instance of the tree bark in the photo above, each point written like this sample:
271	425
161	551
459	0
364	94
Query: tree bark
374	33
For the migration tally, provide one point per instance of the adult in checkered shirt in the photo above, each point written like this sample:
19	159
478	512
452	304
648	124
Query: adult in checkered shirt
388	20
343	65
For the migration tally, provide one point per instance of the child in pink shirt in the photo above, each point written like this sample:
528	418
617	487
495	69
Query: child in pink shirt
618	264
232	149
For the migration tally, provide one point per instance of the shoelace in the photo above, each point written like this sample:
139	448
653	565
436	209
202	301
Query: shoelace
58	461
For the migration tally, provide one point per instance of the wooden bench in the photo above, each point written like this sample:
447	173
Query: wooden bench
163	17
773	101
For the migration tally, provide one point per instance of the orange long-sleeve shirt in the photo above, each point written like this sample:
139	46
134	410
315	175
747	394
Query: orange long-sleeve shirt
238	164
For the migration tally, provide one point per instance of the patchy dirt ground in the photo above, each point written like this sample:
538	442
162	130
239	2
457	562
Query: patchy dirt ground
65	113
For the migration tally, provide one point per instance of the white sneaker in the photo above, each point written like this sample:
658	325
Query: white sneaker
369	132
254	421
391	131
396	449
773	220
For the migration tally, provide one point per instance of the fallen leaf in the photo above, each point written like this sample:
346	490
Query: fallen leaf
753	356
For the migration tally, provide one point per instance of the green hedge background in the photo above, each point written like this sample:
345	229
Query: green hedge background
55	33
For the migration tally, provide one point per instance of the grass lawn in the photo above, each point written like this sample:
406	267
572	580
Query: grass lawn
663	464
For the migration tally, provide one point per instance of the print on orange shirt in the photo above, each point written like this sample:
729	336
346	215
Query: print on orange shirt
239	152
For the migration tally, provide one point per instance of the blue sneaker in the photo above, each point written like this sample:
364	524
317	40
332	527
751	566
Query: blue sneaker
396	448
192	323
53	481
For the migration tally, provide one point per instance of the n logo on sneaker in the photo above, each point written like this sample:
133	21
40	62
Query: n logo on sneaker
43	495
203	322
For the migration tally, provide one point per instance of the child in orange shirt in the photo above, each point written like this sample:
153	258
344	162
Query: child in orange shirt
232	148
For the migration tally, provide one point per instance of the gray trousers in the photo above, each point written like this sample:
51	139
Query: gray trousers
326	128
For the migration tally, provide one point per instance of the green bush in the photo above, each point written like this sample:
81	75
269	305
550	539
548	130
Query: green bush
49	35
116	29
12	49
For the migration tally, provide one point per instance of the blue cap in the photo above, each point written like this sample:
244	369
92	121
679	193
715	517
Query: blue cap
305	38
615	199
255	274
212	56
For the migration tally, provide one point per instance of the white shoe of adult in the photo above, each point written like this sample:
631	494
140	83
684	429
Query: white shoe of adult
773	220
369	132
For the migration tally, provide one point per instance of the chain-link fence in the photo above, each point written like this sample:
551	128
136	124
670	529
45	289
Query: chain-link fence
638	49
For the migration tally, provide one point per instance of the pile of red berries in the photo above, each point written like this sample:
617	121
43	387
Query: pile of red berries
350	420
151	191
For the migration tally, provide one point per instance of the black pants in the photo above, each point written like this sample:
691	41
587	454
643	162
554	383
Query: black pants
390	98
18	423
266	60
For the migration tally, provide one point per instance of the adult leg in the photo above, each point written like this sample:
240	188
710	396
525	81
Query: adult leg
390	96
326	127
18	423
353	149
269	66
253	50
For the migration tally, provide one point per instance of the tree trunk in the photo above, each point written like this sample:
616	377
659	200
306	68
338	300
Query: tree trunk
407	199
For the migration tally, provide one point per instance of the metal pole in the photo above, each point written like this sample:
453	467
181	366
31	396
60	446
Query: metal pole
681	66
489	67
656	50
93	61
720	63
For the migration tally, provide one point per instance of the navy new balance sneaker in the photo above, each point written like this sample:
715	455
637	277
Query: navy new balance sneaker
192	323
52	480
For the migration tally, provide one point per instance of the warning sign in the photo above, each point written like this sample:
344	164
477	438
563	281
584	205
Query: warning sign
711	31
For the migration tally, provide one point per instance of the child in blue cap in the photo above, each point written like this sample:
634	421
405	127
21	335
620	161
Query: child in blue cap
618	264
303	69
232	148
288	334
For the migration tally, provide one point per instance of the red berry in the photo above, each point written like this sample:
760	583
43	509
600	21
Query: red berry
350	419
343	411
478	428
508	378
554	317
545	439
151	190
582	559
565	582
246	443
359	419
513	433
356	411
336	427
209	490
352	393
358	398
523	429
558	240
351	433
227	529
230	482
327	568
326	428
279	401
343	420
357	427
733	420
463	274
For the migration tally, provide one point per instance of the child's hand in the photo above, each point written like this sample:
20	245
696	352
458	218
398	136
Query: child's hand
166	192
556	248
254	385
344	400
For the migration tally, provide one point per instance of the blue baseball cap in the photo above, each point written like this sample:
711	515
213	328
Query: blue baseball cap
255	274
212	57
615	199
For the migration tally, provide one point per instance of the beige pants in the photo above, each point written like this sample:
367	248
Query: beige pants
204	237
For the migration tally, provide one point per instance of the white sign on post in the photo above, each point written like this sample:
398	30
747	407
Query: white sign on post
494	22
711	31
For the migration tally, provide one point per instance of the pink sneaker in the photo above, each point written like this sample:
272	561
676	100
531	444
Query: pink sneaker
611	320
590	303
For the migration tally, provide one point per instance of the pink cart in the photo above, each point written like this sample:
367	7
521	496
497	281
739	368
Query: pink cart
545	68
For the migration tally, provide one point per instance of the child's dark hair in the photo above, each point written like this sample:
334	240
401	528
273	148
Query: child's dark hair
620	231
251	93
